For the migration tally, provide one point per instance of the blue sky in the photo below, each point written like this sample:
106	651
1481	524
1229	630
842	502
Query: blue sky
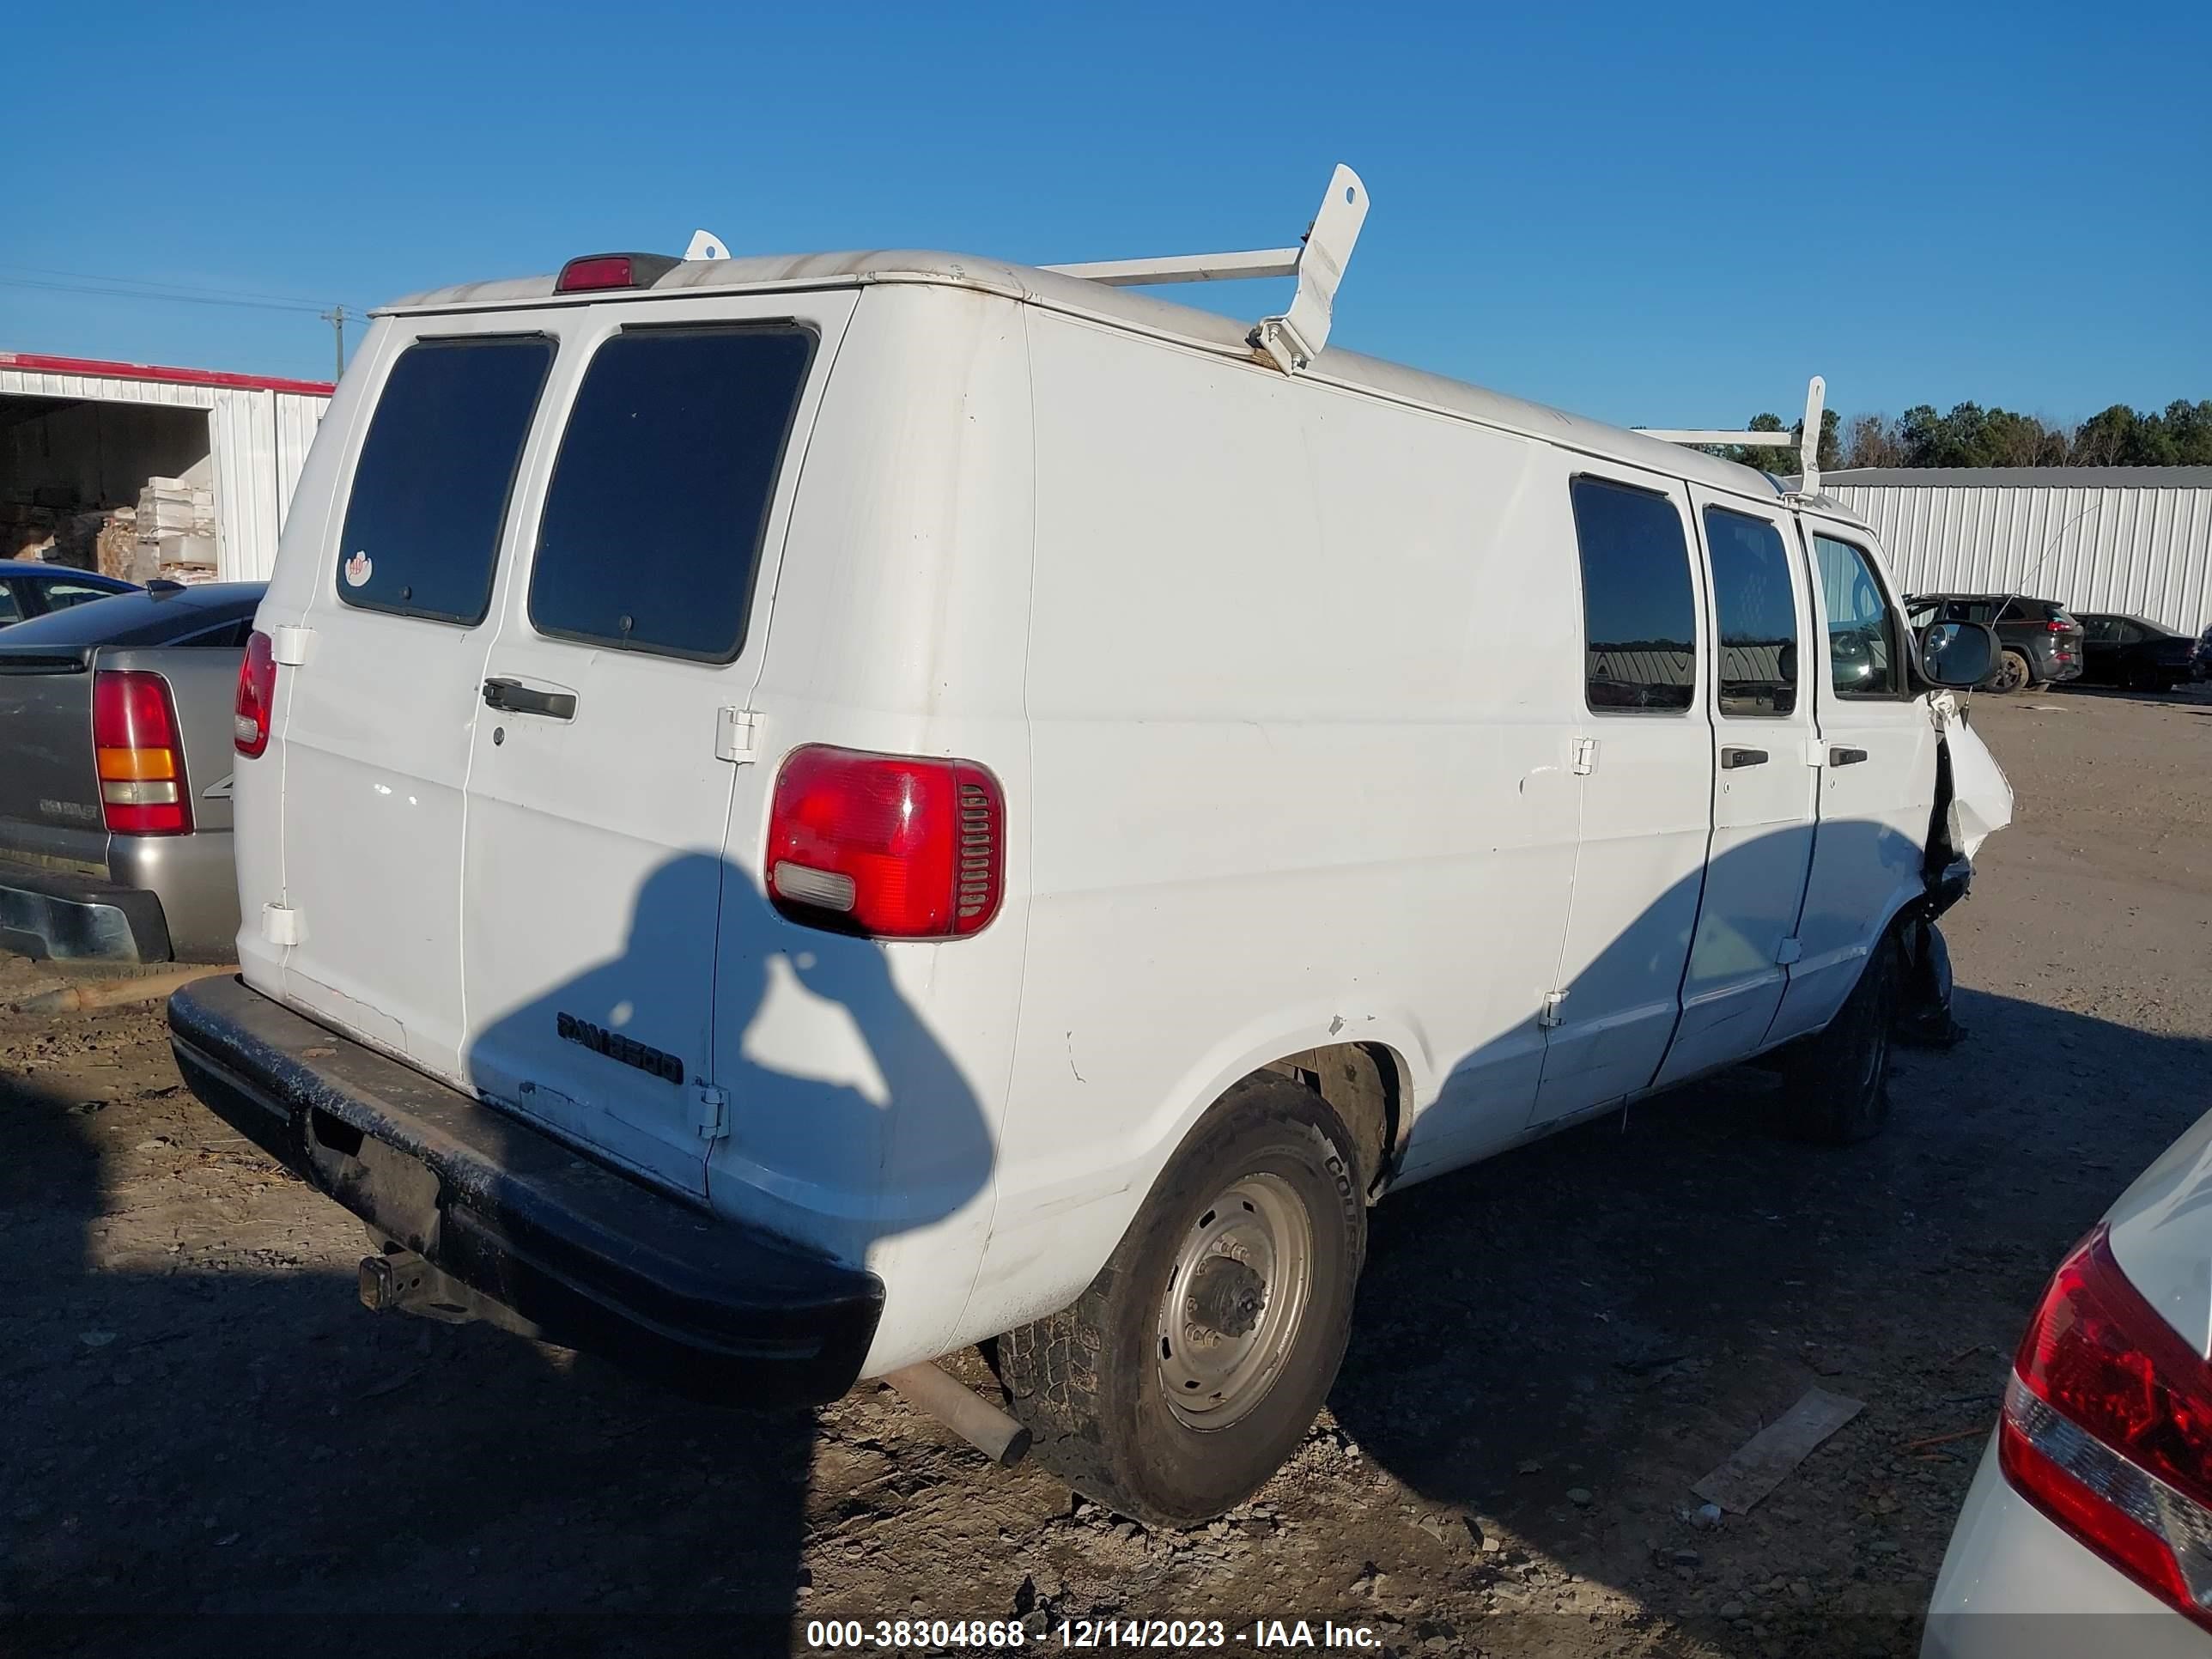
1654	215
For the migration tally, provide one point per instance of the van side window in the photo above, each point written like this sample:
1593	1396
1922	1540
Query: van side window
1639	615
429	491
660	495
1756	610
1864	658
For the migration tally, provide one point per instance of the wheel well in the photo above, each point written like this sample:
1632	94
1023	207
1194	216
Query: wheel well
1363	1084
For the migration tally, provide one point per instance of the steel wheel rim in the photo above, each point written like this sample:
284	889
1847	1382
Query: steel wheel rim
1236	1299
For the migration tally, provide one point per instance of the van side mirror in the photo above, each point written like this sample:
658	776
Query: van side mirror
1958	653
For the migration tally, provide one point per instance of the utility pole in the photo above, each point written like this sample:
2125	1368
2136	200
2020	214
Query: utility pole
337	318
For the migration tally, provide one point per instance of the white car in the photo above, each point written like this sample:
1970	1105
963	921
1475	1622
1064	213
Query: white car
795	815
2088	1528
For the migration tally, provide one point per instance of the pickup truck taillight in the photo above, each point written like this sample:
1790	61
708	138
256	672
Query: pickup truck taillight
257	695
892	845
138	755
2107	1429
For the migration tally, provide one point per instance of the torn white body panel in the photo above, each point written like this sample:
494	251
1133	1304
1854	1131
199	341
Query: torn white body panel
1981	799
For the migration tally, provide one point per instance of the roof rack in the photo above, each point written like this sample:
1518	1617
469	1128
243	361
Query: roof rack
1291	341
1807	439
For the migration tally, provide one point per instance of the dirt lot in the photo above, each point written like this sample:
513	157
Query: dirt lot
209	1447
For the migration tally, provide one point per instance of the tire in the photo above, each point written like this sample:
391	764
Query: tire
2012	673
1835	1085
1156	1418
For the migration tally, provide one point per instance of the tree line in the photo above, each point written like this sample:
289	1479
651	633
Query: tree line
2180	435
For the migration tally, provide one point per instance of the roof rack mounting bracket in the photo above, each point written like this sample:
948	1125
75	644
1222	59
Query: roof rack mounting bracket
705	245
1809	438
1293	340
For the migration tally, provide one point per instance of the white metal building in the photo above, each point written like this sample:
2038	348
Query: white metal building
2129	538
79	435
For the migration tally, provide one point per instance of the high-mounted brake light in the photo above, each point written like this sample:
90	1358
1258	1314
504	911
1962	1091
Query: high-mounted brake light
598	270
2107	1429
895	846
257	696
137	754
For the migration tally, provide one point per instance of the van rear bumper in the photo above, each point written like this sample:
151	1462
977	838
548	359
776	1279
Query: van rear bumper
585	1257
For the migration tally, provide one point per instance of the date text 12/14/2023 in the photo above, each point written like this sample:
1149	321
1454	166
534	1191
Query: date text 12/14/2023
1078	1635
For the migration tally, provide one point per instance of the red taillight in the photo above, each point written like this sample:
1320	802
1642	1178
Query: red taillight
895	846
257	695
2107	1429
2059	627
137	754
598	270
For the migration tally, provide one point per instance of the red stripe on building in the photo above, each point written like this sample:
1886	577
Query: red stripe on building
40	364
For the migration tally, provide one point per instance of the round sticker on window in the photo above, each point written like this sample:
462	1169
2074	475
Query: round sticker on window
357	570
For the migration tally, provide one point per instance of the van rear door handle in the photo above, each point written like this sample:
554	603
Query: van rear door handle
514	697
1732	757
1846	757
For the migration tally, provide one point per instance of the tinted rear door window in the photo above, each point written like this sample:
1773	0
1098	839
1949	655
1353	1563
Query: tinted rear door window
430	490
659	499
1757	610
1639	617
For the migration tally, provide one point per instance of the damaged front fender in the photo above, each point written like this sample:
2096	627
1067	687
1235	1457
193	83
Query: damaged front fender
1981	798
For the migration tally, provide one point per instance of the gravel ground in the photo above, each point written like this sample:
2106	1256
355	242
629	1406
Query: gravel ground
210	1448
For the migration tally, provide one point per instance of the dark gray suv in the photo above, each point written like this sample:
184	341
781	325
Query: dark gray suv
2040	640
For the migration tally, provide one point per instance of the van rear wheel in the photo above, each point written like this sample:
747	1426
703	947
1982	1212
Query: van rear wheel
1198	1358
1835	1083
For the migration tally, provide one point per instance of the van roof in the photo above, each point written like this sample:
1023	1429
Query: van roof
1126	309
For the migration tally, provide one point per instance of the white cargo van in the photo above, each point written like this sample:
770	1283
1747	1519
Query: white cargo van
795	815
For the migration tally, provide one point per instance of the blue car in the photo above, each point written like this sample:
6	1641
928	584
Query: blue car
28	589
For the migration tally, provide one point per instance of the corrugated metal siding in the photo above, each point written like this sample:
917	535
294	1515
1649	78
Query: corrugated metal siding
297	417
257	440
2148	551
245	485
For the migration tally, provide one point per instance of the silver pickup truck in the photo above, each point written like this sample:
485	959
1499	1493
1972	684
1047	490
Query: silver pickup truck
115	763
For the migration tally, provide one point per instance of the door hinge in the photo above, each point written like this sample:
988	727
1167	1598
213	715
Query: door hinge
710	1113
1585	761
737	732
1787	952
289	646
283	925
1549	1016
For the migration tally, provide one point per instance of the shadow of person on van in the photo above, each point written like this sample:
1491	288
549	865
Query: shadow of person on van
849	1128
308	1474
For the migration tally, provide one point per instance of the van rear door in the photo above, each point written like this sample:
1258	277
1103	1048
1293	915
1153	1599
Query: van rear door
1765	785
376	722
629	640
